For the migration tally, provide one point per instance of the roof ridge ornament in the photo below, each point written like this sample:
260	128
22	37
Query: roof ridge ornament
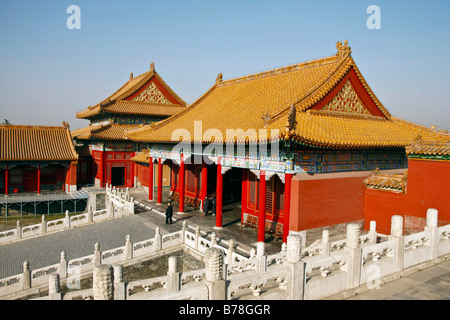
343	49
152	66
131	75
266	117
219	78
291	121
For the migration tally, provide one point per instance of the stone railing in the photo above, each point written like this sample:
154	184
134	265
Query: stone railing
354	265
341	269
121	200
70	270
118	204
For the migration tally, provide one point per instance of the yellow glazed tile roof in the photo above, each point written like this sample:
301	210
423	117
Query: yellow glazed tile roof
242	103
283	100
428	148
115	103
143	108
109	131
143	157
352	132
36	143
392	182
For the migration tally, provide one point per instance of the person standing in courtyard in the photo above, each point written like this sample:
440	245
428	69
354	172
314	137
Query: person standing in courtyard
206	203
169	214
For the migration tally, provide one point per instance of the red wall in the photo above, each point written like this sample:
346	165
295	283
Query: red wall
428	186
71	176
326	199
143	174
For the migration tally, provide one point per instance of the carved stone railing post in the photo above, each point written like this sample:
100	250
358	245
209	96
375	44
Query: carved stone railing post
103	282
67	220
18	230
158	239
284	248
90	215
326	245
54	289
26	275
214	274
43	225
128	248
174	277
119	285
252	253
131	205
97	260
431	228
262	258
63	265
111	209
230	252
183	230
197	237
373	232
354	262
399	242
213	240
296	279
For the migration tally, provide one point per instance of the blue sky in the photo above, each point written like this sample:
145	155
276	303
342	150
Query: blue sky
48	72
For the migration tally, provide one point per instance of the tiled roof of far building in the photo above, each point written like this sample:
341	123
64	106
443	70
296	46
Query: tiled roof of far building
324	103
428	149
108	131
146	94
387	181
143	157
36	143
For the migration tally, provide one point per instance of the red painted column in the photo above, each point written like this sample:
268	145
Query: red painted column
204	180
262	207
287	204
150	179
182	187
244	193
103	181
133	170
39	179
6	180
219	194
172	177
68	178
160	181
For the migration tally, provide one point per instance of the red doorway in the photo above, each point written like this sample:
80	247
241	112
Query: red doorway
29	179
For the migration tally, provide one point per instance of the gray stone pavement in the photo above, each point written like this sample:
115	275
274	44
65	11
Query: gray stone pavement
46	250
432	283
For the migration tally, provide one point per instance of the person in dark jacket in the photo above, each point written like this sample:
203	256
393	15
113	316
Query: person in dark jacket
169	214
206	204
214	205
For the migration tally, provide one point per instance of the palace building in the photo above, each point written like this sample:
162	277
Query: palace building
105	149
36	159
293	145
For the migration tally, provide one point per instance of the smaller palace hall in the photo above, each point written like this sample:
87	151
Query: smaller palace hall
107	151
